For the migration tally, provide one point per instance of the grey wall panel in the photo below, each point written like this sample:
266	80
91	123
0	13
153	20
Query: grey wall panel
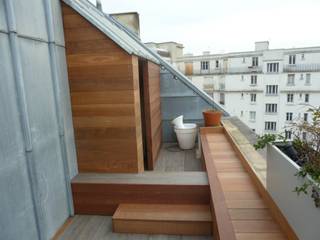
66	107
170	86
30	18
44	130
178	99
17	218
189	107
57	18
3	21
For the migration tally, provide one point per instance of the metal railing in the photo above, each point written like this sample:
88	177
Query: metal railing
231	70
311	67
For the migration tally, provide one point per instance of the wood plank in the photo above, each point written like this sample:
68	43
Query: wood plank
255	226
249	214
260	236
162	219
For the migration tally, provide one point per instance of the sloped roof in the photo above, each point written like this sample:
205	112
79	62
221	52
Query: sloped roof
170	68
109	28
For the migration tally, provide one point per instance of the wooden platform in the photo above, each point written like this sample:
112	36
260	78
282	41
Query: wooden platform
163	219
242	209
102	193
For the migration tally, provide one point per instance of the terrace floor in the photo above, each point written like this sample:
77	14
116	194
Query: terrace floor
85	227
173	159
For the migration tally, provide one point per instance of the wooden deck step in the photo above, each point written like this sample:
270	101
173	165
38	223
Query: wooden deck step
163	219
101	194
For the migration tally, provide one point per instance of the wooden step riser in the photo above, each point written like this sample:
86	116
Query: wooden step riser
103	199
162	227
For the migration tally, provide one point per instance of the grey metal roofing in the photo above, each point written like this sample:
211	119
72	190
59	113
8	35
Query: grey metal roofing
170	68
103	23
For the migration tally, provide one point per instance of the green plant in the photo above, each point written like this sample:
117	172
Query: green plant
307	145
265	139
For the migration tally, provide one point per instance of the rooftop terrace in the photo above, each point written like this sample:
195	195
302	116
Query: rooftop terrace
88	150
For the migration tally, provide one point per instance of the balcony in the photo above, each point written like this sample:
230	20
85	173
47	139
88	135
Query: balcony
312	67
231	70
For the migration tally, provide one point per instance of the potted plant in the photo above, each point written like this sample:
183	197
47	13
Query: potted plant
212	117
293	174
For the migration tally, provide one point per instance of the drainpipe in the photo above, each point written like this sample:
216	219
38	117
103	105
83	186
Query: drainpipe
58	102
99	5
24	120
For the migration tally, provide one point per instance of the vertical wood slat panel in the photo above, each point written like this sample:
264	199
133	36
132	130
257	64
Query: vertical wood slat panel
104	85
151	75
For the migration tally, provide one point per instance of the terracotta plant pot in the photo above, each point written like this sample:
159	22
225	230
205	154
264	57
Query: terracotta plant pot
212	118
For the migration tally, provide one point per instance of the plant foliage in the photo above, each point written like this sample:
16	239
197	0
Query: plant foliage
307	145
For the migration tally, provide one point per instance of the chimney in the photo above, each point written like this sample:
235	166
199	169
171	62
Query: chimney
261	46
98	5
130	20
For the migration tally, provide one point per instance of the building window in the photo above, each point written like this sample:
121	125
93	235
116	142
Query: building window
242	78
243	60
222	98
290	97
308	78
305	117
241	113
253	97
217	63
271	108
290	79
292	59
272	67
252	115
205	65
254	79
255	61
289	116
270	126
271	89
253	130
288	134
241	95
302	56
306	98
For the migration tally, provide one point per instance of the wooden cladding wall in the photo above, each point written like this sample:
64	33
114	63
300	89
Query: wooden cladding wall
104	85
151	76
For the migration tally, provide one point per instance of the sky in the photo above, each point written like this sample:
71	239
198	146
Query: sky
225	25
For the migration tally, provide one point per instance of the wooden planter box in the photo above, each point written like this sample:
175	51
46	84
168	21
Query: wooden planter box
300	211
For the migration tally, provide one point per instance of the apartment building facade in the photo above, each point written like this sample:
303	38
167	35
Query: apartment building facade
266	88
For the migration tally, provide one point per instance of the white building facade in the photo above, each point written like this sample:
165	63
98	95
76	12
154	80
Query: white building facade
266	88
